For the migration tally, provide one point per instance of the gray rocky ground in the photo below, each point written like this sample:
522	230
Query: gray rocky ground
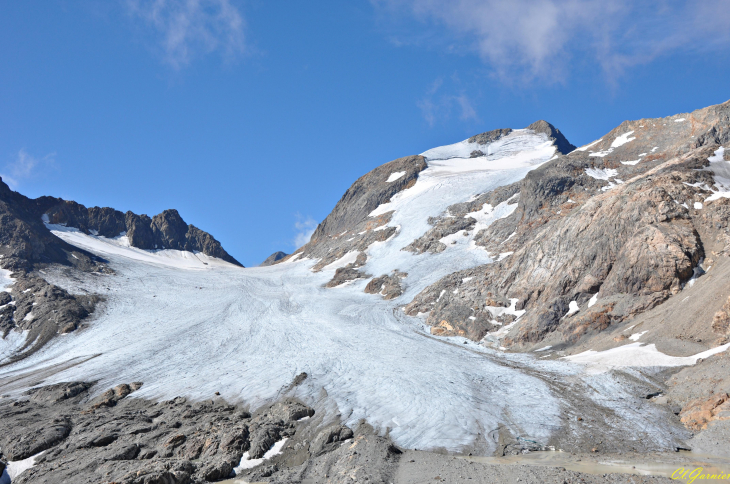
92	436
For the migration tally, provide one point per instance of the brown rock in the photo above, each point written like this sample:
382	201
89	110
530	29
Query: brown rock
697	414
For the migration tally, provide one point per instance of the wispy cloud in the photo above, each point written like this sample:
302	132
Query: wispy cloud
541	39
188	28
305	227
24	167
439	103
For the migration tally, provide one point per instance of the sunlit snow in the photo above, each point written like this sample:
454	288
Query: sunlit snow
637	354
394	176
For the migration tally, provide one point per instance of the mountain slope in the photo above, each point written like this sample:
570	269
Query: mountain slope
492	296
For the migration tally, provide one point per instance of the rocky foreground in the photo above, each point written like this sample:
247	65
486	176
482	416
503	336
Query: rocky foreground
115	438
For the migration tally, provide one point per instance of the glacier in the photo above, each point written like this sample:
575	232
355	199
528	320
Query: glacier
190	325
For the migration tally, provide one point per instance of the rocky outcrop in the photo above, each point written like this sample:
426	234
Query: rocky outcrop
721	320
43	310
619	223
489	136
166	230
24	240
112	438
367	193
561	143
387	285
349	272
699	413
349	228
457	219
274	258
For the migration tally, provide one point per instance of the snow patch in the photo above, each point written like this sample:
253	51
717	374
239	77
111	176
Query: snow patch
636	355
15	468
585	147
622	140
247	463
572	308
119	245
601	173
394	176
637	336
593	300
721	170
348	258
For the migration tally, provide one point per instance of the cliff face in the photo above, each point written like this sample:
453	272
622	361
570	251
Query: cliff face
598	236
166	230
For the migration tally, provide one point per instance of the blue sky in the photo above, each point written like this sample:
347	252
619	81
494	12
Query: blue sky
253	117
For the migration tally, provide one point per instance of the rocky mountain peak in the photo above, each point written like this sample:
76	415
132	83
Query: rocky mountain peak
273	258
563	145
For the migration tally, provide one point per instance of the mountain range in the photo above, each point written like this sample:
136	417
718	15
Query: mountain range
507	295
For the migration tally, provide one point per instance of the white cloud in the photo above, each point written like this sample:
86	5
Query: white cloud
542	39
25	166
187	28
437	105
305	227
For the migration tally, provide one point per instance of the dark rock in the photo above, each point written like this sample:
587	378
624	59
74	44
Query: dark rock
388	286
139	231
554	134
273	258
290	411
31	437
489	136
44	310
110	397
58	392
262	440
25	242
330	435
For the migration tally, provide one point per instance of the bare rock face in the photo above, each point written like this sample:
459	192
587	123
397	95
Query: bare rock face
44	310
489	136
721	320
699	413
113	438
553	134
166	230
24	240
624	223
274	258
388	285
349	272
349	228
367	193
330	435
